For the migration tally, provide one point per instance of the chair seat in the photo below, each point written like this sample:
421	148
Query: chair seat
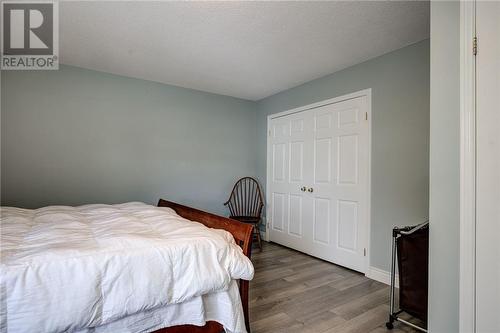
246	219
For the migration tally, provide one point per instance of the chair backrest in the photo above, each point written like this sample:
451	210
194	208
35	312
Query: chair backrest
246	198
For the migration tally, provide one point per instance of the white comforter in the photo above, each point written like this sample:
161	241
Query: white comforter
68	268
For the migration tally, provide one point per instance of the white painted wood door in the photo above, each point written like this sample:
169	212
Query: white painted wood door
318	165
488	167
289	205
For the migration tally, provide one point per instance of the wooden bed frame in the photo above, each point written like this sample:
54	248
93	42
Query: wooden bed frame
242	234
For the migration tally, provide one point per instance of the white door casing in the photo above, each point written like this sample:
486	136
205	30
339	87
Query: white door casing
488	167
467	168
480	162
318	179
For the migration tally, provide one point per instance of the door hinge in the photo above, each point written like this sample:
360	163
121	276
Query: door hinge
366	115
474	46
364	252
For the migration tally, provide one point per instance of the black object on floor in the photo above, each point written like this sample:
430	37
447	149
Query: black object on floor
412	247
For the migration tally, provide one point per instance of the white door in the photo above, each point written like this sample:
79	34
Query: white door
289	152
488	167
318	181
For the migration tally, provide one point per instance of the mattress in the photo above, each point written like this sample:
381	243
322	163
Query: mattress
71	269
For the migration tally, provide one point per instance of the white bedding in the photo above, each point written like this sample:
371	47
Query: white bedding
67	269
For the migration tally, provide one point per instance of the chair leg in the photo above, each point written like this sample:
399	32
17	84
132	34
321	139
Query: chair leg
257	232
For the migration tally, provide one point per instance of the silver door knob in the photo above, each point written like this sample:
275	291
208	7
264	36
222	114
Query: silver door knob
303	188
310	190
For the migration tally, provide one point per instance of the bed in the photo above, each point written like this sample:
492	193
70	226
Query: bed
123	268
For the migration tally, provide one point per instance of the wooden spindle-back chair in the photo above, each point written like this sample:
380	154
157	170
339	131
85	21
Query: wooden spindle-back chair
245	204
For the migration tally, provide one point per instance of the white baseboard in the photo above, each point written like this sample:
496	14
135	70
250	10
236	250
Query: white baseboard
380	275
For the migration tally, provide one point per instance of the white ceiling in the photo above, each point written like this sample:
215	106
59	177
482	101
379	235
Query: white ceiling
249	50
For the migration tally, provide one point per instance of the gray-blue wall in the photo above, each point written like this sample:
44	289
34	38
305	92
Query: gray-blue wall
444	232
77	136
400	135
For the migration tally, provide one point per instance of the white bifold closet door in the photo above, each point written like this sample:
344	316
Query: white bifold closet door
318	181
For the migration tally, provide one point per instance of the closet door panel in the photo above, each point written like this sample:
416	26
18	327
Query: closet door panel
323	161
347	159
278	154
345	190
279	162
297	162
296	215
290	154
350	190
278	213
321	220
347	224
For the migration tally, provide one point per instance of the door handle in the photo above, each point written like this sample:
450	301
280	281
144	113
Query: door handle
310	190
303	188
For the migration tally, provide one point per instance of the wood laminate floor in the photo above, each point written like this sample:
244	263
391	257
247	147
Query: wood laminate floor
293	292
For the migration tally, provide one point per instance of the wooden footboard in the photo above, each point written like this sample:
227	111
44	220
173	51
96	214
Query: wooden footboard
242	234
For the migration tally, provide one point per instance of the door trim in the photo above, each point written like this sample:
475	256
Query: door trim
367	93
361	93
467	284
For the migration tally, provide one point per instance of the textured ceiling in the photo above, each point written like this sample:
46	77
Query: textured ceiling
243	49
